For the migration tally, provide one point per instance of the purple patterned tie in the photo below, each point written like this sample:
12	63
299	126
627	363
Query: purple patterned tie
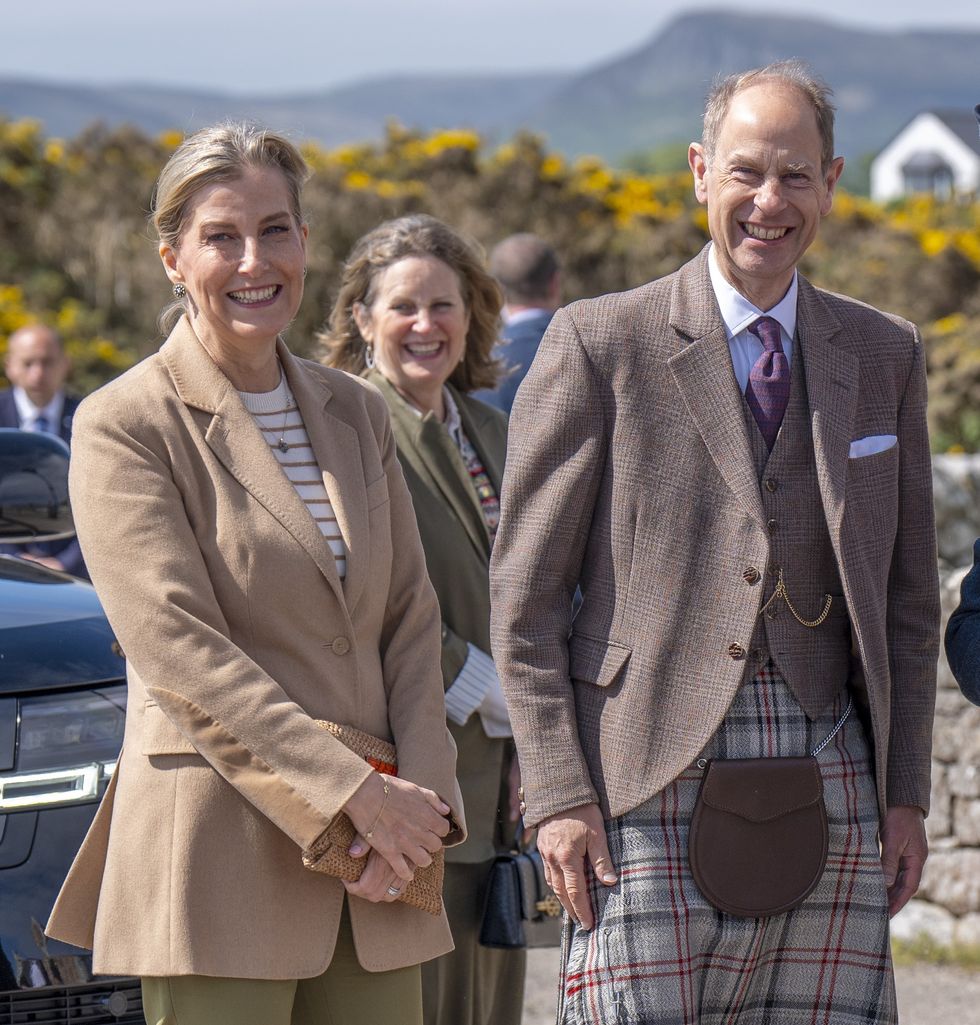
767	391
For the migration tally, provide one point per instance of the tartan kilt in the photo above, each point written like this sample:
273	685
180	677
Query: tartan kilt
660	954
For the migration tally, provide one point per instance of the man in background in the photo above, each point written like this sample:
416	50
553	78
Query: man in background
36	366
527	269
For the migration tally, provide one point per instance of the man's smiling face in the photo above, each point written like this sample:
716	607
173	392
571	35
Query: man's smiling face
764	188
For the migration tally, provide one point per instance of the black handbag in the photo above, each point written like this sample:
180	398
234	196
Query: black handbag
520	910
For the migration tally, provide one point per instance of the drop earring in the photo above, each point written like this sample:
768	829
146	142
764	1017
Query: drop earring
369	357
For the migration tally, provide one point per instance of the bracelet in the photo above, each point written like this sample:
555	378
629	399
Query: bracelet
384	802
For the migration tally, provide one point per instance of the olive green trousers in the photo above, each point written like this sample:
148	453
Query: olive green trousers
343	994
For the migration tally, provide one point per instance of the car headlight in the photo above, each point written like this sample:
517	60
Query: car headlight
67	746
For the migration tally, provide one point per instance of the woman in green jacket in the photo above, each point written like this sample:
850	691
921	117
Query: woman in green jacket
418	315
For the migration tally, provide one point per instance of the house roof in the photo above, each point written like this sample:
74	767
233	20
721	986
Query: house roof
963	123
925	162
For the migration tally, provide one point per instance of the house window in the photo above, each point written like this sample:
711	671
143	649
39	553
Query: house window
926	171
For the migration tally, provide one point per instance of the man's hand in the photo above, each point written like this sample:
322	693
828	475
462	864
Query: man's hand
904	850
565	842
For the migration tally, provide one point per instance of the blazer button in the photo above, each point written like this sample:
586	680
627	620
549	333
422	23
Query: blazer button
751	575
736	651
340	646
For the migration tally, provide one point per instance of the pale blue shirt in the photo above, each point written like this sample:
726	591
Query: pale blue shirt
737	313
28	413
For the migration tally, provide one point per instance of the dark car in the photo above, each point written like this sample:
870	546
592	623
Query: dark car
62	710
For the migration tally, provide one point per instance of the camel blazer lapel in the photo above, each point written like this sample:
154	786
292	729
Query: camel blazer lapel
236	441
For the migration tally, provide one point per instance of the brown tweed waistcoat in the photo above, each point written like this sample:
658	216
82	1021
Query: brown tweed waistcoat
814	661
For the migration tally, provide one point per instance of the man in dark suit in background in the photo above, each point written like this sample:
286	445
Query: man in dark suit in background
36	366
527	269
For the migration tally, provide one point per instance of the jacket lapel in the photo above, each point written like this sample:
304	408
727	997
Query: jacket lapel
832	390
434	455
236	441
704	376
336	445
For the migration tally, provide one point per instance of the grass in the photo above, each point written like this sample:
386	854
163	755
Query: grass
925	950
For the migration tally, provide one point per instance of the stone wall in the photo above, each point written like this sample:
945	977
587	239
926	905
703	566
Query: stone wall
947	907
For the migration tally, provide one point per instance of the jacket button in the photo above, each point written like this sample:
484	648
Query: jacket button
751	575
523	808
771	484
520	791
340	646
736	651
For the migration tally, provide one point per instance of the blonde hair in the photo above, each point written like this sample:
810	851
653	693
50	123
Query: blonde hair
218	154
417	235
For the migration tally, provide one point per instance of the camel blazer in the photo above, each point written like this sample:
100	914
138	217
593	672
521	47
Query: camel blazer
457	554
238	633
629	471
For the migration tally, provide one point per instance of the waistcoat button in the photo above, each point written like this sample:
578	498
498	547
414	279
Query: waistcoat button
751	575
771	484
772	525
736	651
340	646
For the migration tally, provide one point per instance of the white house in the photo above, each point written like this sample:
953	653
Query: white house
938	151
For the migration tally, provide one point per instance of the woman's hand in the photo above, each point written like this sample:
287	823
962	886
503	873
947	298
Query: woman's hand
406	825
378	882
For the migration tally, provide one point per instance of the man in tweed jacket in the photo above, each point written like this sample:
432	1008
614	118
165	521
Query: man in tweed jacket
636	472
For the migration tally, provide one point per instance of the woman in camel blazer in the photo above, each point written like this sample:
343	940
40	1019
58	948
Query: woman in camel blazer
418	314
244	618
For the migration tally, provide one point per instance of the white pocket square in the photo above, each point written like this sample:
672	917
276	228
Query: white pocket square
871	445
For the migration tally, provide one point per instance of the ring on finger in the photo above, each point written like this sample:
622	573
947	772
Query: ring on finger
394	891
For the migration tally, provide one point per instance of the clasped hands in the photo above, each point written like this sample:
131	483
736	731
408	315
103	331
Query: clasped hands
406	825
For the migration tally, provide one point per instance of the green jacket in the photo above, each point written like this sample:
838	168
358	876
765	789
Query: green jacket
457	553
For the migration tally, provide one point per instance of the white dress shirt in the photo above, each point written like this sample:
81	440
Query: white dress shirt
737	313
28	413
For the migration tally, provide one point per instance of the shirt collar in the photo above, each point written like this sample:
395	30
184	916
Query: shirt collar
737	312
453	422
27	412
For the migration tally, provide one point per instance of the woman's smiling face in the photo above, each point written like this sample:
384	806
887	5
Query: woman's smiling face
416	323
241	257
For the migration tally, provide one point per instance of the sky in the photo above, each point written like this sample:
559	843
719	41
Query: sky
283	46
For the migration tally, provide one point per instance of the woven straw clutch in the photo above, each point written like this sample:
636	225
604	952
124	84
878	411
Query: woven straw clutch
328	853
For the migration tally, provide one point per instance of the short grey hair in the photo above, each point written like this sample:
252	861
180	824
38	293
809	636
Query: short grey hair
791	72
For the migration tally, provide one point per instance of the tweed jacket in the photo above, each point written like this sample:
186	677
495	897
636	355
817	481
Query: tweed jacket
629	473
239	633
457	555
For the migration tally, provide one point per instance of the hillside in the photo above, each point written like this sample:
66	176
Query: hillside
639	101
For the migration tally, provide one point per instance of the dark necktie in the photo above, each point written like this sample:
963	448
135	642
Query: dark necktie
41	424
767	391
